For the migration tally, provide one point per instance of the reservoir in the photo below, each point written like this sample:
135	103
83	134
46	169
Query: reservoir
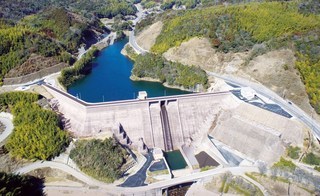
109	79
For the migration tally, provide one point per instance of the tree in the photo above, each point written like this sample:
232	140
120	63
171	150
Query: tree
100	159
37	134
12	184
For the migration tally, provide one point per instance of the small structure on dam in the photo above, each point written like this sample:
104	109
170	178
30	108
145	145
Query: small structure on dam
173	121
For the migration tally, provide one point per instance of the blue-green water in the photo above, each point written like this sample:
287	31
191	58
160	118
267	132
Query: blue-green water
175	160
109	79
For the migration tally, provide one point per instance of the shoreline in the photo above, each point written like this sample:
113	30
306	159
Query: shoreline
165	84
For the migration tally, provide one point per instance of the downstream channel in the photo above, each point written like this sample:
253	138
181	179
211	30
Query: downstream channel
109	79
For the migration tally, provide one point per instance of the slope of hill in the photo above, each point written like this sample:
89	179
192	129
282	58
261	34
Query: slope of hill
51	29
253	29
15	10
52	33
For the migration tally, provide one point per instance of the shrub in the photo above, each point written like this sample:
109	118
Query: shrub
311	159
11	98
100	159
36	133
285	164
70	74
155	66
293	152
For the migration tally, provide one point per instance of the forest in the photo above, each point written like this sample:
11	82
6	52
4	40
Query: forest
190	4
79	69
37	133
13	184
101	159
155	66
53	33
15	10
237	28
52	28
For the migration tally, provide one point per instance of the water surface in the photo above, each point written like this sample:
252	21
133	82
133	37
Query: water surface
109	79
175	160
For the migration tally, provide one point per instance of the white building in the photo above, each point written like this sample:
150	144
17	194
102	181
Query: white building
142	95
157	153
248	93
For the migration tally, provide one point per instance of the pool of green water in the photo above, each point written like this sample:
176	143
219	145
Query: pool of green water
175	160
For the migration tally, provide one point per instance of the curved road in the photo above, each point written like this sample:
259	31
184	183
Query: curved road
7	122
260	89
66	168
132	39
264	91
114	189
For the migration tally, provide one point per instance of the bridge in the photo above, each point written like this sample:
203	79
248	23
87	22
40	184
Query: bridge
164	122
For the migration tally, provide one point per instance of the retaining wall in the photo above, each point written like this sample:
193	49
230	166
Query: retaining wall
33	76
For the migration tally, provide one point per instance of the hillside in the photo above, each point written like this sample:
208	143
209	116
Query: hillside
52	34
15	10
52	31
246	31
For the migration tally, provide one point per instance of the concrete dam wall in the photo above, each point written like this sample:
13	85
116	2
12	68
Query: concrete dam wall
170	122
166	122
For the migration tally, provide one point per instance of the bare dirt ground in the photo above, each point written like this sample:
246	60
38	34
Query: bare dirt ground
32	65
278	187
221	185
274	69
56	177
8	164
75	192
147	37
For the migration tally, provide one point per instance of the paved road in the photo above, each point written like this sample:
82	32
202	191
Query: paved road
56	165
9	127
260	89
113	189
162	184
139	178
132	38
264	91
134	45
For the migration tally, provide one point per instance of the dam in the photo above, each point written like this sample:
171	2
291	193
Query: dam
165	122
176	122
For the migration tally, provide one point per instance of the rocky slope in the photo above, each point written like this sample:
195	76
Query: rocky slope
274	69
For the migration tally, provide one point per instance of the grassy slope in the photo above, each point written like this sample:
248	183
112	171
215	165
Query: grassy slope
262	21
238	27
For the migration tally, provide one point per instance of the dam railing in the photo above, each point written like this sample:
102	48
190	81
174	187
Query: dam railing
134	101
